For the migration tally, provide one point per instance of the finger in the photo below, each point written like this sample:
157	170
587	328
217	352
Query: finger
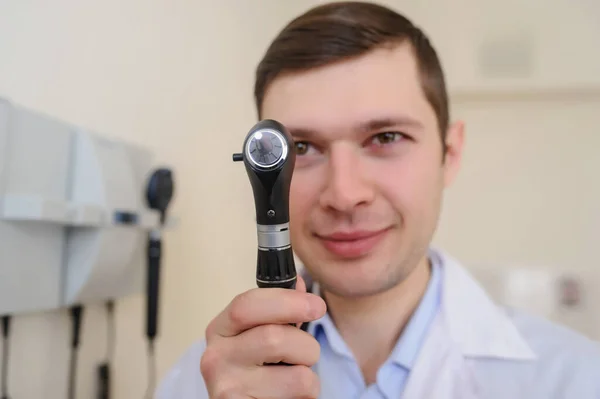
272	343
266	306
284	382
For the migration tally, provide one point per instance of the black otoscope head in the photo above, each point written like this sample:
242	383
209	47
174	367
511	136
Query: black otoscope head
159	191
269	157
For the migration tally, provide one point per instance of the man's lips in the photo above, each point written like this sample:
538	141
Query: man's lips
352	244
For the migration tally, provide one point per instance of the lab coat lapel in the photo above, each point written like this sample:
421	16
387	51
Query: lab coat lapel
441	371
467	327
477	326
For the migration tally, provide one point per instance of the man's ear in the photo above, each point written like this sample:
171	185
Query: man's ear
455	137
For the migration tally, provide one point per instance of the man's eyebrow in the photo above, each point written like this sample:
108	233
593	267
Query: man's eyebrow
367	126
302	133
389	122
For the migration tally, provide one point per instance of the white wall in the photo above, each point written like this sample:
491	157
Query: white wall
513	45
528	198
177	76
529	188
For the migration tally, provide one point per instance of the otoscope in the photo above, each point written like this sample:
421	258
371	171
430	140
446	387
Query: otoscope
159	193
269	156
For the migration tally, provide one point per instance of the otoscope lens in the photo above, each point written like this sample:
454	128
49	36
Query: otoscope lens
266	148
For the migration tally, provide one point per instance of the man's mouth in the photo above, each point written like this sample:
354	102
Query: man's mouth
352	244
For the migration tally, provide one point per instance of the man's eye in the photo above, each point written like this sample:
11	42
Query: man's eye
387	138
301	147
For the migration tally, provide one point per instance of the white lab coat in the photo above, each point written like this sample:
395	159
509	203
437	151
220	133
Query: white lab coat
474	349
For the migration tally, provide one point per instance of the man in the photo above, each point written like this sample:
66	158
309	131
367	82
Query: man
362	91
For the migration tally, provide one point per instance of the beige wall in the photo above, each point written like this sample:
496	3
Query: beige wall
177	76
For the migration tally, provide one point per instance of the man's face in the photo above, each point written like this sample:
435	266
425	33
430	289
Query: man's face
369	176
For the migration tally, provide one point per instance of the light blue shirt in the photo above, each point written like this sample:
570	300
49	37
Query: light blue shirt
340	374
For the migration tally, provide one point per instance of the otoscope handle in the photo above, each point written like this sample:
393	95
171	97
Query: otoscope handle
154	255
275	268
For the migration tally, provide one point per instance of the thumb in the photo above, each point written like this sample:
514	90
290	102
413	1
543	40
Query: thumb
300	284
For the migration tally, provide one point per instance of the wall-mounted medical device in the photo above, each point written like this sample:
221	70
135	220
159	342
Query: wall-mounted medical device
74	217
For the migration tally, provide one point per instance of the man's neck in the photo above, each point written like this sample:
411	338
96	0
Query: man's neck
371	326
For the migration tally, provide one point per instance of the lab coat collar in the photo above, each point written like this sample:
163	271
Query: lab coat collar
475	323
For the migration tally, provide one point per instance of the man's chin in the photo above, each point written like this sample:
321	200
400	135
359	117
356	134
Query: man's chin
352	281
353	289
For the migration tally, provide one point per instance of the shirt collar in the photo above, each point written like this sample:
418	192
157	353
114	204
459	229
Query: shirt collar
407	348
473	321
325	327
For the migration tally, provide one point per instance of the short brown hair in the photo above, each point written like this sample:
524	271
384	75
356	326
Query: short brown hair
336	31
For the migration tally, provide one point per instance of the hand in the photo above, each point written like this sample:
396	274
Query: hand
252	334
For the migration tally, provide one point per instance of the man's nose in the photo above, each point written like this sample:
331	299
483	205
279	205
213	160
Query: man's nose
347	185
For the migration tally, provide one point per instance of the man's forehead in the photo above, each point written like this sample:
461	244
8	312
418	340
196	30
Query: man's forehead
380	85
